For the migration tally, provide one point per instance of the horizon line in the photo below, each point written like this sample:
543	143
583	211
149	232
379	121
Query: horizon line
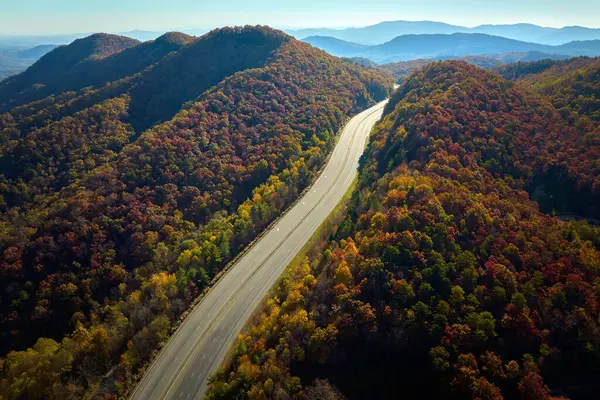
288	28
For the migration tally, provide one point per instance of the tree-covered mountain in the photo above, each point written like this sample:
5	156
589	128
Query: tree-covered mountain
336	47
573	86
497	62
524	68
489	61
385	31
365	62
401	69
440	46
444	278
112	222
91	61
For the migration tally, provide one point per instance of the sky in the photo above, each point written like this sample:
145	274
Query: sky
82	16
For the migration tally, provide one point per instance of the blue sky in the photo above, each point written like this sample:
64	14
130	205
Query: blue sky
70	16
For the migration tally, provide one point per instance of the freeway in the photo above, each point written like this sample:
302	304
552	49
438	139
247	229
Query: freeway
198	348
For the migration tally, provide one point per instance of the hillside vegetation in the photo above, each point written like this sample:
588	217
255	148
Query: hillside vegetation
91	61
573	87
445	280
505	64
109	230
521	69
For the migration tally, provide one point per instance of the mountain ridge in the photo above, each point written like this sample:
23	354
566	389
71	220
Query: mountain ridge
111	224
14	61
436	46
86	62
387	30
441	277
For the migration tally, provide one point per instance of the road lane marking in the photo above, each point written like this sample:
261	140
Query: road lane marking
231	300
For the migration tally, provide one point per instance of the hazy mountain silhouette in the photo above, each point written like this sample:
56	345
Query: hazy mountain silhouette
401	69
385	31
438	46
13	61
334	46
381	32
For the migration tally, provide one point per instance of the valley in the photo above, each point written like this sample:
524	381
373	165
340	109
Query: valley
116	220
388	207
443	276
200	345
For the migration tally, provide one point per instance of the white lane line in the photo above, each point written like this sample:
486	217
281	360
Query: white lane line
193	374
204	355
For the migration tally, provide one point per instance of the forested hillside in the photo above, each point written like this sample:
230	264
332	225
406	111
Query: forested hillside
444	279
573	87
505	64
109	230
521	69
62	68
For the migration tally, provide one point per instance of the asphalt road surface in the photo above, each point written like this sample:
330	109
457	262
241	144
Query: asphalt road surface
199	347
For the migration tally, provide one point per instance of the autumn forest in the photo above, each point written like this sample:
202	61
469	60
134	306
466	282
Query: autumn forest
110	230
464	263
450	274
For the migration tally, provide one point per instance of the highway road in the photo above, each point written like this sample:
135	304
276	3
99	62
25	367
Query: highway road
199	347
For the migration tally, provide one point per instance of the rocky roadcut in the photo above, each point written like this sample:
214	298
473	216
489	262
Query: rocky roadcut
109	230
445	280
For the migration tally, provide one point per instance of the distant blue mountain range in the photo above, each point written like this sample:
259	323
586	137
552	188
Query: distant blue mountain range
13	61
386	31
440	46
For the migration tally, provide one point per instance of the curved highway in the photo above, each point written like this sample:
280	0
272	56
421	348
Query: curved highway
198	348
